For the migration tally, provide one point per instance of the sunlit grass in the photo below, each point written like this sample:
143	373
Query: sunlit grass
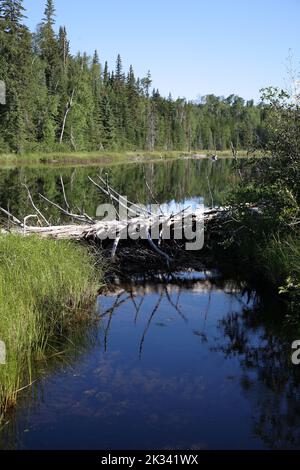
103	157
73	157
45	288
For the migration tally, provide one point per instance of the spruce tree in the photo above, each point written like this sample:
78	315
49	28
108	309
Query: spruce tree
95	130
53	96
96	60
15	62
49	13
63	46
119	76
12	14
107	123
49	45
106	77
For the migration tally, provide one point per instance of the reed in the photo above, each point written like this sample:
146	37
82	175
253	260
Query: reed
46	287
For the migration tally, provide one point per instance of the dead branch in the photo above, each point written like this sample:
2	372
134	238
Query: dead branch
34	206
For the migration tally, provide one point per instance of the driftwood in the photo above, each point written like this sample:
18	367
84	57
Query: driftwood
141	222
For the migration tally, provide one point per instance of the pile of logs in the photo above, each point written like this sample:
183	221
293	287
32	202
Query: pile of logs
88	228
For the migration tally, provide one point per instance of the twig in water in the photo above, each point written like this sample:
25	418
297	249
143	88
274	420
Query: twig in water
64	192
35	207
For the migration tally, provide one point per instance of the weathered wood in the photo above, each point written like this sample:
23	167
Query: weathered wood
141	223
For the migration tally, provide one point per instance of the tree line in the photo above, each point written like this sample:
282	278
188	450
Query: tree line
59	101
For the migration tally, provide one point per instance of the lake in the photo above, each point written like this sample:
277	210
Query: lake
189	360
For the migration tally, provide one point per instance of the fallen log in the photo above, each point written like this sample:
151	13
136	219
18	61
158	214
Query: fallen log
139	224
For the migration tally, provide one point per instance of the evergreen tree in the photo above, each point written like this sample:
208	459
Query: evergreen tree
55	97
15	59
106	77
146	83
63	46
49	45
12	13
119	76
107	123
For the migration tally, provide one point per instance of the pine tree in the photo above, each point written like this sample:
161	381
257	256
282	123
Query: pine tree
63	46
53	96
146	83
106	77
49	45
107	123
119	76
49	13
96	60
95	131
15	61
12	13
96	74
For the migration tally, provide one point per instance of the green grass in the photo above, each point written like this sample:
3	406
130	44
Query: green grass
101	157
84	157
46	287
280	260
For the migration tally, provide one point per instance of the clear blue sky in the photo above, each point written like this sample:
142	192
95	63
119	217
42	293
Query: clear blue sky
192	47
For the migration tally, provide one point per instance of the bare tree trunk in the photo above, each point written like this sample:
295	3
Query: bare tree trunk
68	108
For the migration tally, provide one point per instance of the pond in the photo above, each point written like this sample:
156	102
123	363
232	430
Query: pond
189	360
171	181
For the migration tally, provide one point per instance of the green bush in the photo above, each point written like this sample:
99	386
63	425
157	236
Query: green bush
266	204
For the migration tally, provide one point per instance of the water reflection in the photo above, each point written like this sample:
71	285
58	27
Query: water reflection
171	182
190	361
181	361
269	380
167	289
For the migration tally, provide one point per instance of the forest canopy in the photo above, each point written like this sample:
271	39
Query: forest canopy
59	101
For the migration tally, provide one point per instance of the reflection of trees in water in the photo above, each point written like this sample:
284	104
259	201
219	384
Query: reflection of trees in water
168	289
63	352
137	300
270	380
171	180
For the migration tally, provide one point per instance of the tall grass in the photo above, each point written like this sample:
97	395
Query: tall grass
45	288
281	260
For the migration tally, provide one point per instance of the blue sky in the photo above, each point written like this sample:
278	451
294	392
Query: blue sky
192	47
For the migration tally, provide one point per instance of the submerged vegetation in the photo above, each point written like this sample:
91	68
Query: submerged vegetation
46	288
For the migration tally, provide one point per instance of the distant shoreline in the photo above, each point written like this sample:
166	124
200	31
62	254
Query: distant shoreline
104	158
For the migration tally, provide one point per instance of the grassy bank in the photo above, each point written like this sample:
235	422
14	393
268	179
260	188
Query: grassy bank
84	157
103	157
45	288
281	259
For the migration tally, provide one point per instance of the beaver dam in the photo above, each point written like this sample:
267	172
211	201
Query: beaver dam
125	230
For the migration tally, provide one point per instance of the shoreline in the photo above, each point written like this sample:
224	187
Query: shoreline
104	158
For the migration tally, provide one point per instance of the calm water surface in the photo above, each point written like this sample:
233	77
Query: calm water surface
191	361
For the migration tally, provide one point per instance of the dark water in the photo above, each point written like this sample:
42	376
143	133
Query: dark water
192	361
171	182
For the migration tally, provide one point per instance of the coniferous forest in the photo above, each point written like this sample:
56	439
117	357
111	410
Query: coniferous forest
149	244
59	101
